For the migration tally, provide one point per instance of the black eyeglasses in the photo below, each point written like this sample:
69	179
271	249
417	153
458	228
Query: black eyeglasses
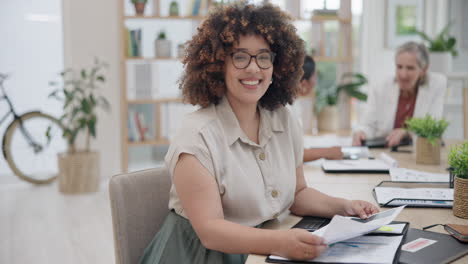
242	59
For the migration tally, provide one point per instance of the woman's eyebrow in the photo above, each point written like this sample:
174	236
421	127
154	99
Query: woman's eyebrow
243	49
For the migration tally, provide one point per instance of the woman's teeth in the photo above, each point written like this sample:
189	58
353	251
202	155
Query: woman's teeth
251	82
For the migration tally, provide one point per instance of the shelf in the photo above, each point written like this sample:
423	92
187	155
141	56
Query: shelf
330	18
166	17
333	59
153	59
156	100
162	141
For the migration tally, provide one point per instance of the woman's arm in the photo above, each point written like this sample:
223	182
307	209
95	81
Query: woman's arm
332	153
309	201
198	192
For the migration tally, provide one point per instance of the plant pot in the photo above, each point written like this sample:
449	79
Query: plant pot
426	153
162	48
460	198
440	62
139	8
78	172
328	119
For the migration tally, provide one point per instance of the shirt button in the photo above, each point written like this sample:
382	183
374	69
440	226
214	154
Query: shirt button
261	156
274	193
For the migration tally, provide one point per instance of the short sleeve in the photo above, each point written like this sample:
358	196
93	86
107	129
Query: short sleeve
193	144
297	136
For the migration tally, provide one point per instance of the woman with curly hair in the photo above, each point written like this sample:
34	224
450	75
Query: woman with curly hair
237	162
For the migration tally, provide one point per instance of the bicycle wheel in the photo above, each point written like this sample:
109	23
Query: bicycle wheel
29	153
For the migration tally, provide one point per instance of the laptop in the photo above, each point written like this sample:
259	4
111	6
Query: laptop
312	223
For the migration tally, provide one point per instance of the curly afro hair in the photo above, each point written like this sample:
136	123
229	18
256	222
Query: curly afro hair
203	80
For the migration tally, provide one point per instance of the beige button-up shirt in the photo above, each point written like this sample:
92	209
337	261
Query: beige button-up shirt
256	182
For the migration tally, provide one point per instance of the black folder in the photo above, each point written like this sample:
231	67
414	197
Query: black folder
312	223
445	250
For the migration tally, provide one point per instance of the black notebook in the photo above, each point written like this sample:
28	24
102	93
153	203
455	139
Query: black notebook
444	250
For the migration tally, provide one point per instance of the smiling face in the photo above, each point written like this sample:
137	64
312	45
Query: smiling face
408	71
246	86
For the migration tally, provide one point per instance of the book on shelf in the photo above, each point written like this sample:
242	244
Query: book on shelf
132	127
134	43
139	79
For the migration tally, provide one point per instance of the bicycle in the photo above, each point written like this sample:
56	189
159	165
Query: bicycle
27	145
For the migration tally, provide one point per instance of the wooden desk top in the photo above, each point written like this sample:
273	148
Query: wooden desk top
359	186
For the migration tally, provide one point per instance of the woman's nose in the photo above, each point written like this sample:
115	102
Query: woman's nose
253	66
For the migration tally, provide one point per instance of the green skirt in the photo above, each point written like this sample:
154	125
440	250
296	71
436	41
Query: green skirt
177	242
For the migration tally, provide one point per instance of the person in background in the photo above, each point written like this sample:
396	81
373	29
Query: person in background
307	88
237	161
412	92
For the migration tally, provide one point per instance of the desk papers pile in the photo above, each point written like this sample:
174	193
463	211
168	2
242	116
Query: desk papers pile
341	228
347	245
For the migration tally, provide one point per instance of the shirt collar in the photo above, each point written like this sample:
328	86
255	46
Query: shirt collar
269	123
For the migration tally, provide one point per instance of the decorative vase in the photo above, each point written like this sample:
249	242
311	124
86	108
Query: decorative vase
78	172
162	48
328	119
460	198
440	62
139	8
426	153
180	51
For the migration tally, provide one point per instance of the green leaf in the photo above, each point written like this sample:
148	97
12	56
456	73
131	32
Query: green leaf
458	160
101	78
427	127
85	106
83	74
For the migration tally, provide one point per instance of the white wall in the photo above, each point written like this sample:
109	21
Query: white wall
91	28
31	51
377	61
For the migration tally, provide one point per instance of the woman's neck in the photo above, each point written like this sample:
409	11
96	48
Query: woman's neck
409	93
248	116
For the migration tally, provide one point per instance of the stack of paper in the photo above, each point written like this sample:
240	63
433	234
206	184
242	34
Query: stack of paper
401	174
341	228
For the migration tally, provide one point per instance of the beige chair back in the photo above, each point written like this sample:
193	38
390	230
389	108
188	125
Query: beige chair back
139	202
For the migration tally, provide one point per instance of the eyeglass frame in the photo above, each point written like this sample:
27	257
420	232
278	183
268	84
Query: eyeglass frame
272	54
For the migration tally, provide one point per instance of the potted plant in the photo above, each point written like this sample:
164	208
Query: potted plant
78	91
327	99
428	131
139	6
441	49
458	162
162	46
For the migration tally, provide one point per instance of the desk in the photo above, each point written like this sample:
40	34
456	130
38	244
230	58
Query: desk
359	186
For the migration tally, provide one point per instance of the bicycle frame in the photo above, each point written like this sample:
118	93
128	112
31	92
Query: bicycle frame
28	137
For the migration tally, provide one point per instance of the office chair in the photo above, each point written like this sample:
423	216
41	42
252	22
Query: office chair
139	204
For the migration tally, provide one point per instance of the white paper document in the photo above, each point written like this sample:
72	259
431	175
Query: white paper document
355	152
402	174
355	165
341	228
393	163
362	249
385	194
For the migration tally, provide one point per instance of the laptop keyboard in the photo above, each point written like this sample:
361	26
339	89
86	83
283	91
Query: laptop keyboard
312	223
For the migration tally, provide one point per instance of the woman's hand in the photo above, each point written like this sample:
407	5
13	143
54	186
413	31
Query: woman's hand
360	208
396	136
299	244
333	153
358	137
